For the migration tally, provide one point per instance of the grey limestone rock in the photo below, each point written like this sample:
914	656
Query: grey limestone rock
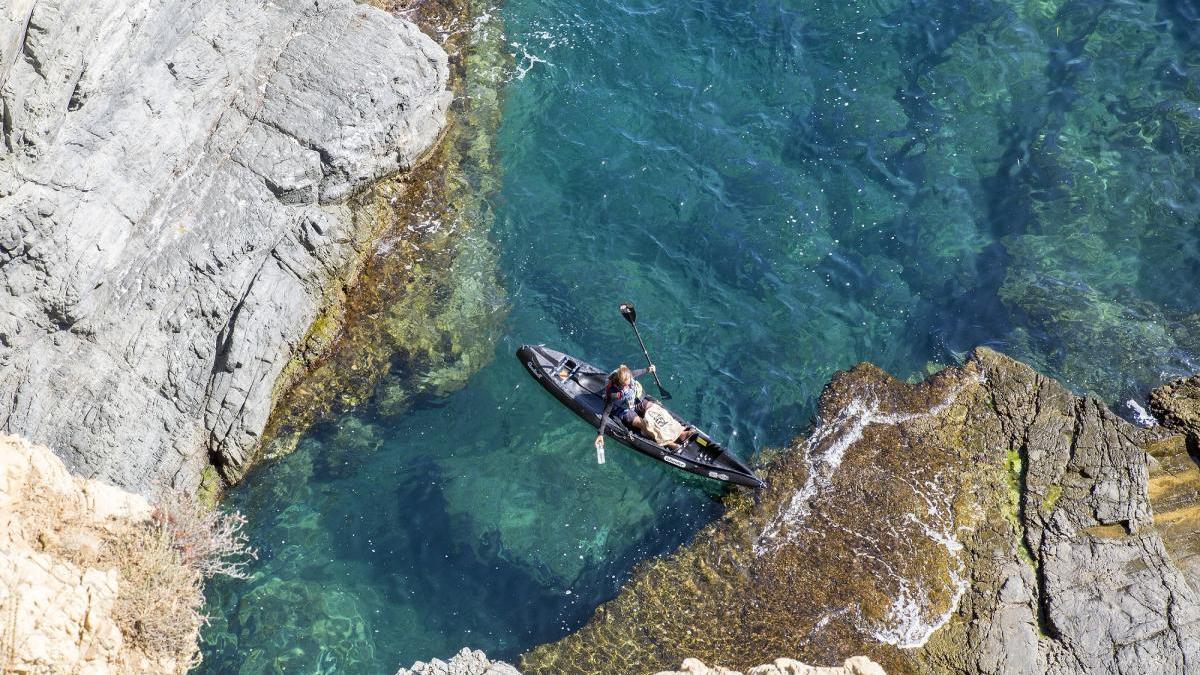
1100	586
171	179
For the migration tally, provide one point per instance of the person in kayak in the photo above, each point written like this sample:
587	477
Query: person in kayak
623	396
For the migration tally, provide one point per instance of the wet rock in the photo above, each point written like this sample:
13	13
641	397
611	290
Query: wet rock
983	521
171	213
466	662
1177	406
428	307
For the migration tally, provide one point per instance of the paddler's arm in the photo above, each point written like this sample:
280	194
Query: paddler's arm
608	406
642	371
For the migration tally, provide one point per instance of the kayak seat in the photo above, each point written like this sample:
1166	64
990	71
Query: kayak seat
592	382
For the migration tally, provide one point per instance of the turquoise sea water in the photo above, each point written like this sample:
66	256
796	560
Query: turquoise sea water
784	189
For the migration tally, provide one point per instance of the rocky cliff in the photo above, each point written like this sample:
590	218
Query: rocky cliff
67	603
172	216
986	520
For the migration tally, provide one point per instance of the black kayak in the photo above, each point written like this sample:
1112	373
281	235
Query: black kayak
580	386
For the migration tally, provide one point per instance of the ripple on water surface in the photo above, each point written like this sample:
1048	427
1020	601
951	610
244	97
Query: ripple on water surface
784	188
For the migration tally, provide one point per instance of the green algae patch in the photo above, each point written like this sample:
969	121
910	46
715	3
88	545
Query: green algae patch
208	494
1053	494
1014	504
853	547
427	305
1014	479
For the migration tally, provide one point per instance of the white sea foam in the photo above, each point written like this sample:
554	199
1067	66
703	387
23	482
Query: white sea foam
524	61
847	429
1141	416
908	624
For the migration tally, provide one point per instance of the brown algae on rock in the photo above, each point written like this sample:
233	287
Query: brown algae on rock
427	306
852	549
985	520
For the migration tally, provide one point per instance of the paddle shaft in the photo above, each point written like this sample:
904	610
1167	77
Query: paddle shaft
661	390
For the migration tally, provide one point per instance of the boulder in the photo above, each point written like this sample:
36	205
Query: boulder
466	662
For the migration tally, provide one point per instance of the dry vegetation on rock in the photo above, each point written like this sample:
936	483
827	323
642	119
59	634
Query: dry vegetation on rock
96	579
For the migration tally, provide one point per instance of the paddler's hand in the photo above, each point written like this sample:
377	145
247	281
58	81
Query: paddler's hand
653	368
599	442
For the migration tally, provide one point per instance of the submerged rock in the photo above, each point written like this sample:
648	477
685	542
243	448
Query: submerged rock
428	307
171	216
983	521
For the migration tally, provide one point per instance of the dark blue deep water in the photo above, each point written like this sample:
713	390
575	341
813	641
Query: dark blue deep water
785	189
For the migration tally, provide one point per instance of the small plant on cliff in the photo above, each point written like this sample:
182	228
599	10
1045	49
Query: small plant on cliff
207	540
163	563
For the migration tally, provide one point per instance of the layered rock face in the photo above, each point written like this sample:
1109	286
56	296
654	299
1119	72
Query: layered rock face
1177	406
55	615
984	521
171	215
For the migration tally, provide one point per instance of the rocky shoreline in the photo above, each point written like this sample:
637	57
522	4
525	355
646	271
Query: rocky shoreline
984	521
173	215
468	662
188	190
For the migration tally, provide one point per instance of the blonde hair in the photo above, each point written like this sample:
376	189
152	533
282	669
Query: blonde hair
621	376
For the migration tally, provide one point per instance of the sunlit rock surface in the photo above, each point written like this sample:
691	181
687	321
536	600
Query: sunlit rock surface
1175	473
57	616
466	662
983	521
172	216
858	665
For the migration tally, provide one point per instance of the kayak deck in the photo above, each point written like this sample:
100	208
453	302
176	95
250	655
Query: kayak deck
580	386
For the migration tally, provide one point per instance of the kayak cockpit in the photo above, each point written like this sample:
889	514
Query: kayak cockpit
580	386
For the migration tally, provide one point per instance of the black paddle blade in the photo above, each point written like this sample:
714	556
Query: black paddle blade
628	312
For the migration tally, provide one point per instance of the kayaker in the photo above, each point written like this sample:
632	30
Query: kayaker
623	395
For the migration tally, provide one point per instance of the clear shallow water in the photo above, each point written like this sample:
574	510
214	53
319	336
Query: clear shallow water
784	189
